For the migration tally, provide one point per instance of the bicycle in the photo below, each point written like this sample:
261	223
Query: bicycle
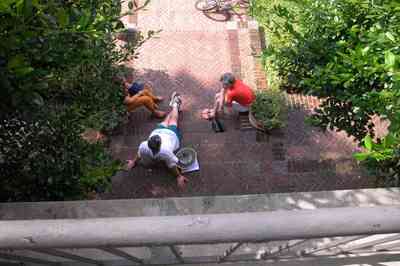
220	5
222	10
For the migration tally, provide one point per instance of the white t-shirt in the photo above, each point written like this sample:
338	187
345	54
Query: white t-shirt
169	144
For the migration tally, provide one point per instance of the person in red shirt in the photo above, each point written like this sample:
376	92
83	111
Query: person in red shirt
234	93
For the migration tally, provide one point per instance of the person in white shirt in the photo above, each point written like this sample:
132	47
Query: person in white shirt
163	141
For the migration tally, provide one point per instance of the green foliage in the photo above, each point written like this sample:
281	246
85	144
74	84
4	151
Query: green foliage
346	52
44	160
58	66
270	109
382	157
97	169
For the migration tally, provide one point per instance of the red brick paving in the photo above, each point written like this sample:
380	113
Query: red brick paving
188	56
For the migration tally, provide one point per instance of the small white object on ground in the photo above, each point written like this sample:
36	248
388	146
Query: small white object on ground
191	168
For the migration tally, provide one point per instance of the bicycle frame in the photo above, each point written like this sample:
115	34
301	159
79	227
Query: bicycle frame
226	4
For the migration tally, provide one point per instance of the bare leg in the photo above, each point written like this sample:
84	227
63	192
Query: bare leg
147	91
146	101
165	121
172	117
217	107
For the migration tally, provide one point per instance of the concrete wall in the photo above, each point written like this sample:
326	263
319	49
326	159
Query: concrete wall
199	205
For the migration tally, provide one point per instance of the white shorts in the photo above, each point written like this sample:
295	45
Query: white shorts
239	108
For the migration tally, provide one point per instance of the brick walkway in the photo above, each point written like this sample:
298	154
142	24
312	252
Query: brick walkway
188	56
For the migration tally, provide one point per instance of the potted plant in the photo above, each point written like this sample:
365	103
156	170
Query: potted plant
269	110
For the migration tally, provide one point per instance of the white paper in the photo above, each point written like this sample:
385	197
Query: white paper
191	168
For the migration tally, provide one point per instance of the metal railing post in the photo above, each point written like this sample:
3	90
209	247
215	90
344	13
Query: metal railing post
333	244
369	244
20	258
230	251
286	247
123	254
176	254
67	255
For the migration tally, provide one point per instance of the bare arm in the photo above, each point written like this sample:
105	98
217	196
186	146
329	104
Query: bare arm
126	87
137	158
181	180
132	163
227	100
219	101
175	171
222	99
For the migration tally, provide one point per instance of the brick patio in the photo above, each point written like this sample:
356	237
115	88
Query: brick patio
188	56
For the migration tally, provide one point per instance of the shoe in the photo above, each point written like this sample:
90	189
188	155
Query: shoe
171	102
178	103
217	125
176	100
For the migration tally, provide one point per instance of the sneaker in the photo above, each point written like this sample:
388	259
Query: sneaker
217	125
171	102
177	101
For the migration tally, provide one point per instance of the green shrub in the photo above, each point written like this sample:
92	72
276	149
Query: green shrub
270	109
382	157
48	160
58	66
346	53
97	168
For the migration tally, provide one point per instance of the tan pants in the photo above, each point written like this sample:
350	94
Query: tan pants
144	98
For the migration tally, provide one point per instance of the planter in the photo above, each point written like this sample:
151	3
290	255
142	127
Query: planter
255	123
259	126
270	107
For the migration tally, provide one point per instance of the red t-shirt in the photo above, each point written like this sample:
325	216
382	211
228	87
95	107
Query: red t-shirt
240	93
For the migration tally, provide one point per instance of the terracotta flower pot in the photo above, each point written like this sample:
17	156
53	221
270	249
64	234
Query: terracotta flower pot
256	123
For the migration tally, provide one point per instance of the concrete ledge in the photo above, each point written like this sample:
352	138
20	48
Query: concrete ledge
199	205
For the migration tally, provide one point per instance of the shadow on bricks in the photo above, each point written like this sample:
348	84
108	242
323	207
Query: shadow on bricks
297	158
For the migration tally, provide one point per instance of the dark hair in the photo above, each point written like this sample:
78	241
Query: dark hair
227	79
135	87
154	143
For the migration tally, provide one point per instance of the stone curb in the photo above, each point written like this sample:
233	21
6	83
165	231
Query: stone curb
199	205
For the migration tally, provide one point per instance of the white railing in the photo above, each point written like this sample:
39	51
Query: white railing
350	231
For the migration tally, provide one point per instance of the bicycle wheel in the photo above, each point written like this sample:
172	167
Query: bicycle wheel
205	5
219	16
